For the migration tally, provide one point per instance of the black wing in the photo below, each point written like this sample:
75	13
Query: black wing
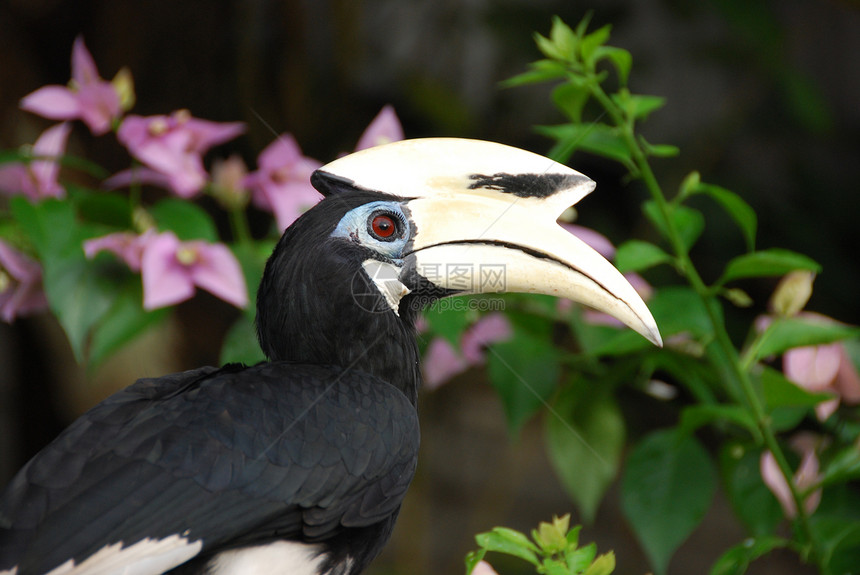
207	458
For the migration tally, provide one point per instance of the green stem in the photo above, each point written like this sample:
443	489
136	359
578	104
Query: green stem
240	227
686	267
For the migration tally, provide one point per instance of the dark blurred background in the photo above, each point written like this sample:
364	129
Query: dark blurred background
763	98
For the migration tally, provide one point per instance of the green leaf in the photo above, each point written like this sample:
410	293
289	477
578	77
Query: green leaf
564	39
766	263
570	98
840	539
524	371
750	498
188	221
786	333
579	559
603	565
844	466
736	560
667	487
638	255
240	344
541	71
779	391
124	321
687	222
109	210
78	293
740	211
50	225
602	340
620	58
554	567
252	257
661	150
79	296
585	439
679	309
500	541
598	139
695	416
591	42
637	106
473	558
449	323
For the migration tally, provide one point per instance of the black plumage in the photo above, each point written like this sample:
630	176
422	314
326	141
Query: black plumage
299	465
318	445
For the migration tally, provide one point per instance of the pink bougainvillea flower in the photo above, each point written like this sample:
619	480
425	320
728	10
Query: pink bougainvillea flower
805	477
38	178
824	368
21	290
489	329
174	146
442	361
172	269
820	368
384	128
137	175
282	182
604	247
128	246
484	568
597	241
88	98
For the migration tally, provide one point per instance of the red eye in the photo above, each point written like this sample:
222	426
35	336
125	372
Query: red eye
383	226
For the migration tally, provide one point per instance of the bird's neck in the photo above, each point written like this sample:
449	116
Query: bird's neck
309	313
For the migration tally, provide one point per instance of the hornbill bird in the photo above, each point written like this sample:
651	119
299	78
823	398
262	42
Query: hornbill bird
299	465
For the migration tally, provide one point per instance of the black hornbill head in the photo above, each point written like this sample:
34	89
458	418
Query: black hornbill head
409	222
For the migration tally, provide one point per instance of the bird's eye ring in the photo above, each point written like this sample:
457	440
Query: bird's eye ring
383	226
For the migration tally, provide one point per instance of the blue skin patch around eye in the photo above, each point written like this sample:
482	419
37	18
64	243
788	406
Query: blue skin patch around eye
354	227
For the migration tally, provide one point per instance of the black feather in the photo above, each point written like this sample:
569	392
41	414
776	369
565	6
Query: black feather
317	445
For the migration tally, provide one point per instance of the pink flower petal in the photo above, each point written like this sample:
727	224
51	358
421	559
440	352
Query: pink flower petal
806	475
136	175
99	105
53	102
15	179
24	294
826	408
165	280
84	70
777	484
219	273
441	363
489	329
173	145
38	179
484	568
291	200
283	151
127	246
847	382
597	241
205	133
50	145
384	128
813	368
